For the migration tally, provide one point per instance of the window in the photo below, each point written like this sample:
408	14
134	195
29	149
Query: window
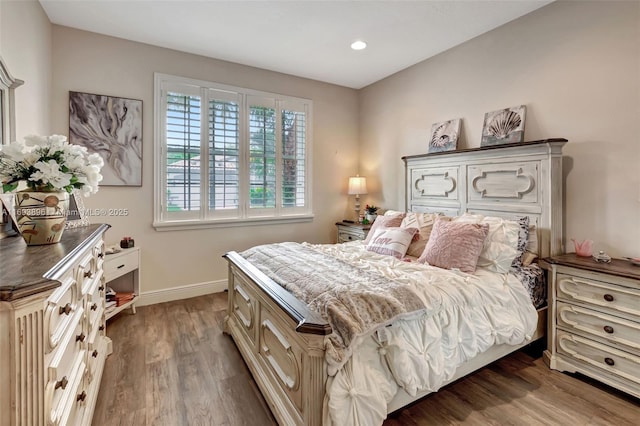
229	155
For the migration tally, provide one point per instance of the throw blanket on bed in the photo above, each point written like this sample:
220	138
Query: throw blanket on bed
354	301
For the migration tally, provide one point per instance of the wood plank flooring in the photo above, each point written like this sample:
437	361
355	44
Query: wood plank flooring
171	365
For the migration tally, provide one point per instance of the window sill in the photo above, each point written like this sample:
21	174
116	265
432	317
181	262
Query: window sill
179	225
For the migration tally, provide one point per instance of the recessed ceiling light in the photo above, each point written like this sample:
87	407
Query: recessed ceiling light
358	45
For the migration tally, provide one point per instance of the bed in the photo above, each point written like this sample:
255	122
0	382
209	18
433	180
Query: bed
288	346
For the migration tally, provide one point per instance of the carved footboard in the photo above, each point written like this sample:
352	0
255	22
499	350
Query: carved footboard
281	341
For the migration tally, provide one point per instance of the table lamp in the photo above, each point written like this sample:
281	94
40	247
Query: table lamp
357	187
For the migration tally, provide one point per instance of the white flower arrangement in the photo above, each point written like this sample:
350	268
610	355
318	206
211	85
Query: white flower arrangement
49	163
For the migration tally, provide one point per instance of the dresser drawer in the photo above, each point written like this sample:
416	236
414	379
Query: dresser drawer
572	288
59	315
96	353
65	367
604	358
120	264
86	272
61	404
614	330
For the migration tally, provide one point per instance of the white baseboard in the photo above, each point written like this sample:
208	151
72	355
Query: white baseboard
182	292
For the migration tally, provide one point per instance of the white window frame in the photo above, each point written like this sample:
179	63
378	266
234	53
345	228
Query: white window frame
205	218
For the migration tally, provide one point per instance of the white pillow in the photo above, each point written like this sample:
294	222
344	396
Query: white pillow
501	245
393	213
391	241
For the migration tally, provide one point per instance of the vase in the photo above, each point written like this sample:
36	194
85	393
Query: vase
41	216
370	217
583	248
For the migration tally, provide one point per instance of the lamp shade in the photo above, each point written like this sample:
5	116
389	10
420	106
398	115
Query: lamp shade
357	185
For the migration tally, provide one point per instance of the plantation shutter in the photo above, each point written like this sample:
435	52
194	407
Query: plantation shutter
183	115
294	145
262	153
224	153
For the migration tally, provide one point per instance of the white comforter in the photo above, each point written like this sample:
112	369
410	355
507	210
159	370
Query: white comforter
466	315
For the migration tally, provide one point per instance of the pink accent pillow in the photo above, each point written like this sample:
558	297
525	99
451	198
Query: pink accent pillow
391	221
391	241
455	245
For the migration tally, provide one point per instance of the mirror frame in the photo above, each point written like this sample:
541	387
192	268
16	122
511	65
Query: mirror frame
8	85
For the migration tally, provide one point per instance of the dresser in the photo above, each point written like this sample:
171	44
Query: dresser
52	322
352	231
594	320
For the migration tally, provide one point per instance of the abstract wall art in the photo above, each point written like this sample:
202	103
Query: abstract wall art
503	126
111	127
444	136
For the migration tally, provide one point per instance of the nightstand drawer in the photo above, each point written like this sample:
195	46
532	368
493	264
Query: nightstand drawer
116	265
626	300
602	357
352	231
609	328
345	237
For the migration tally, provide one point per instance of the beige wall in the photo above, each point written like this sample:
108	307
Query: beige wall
88	62
25	46
576	65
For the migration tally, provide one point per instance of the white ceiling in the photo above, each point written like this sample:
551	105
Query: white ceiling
305	38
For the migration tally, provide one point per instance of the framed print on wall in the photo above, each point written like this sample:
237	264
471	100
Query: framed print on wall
503	126
444	136
111	127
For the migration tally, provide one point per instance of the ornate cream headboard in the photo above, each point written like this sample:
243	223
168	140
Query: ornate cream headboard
509	181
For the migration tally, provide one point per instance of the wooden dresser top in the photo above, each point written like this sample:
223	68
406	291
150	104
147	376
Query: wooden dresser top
617	267
27	270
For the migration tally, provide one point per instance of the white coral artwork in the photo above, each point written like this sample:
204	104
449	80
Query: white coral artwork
444	136
503	126
111	127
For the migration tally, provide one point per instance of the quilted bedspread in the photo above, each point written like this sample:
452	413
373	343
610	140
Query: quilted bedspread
433	321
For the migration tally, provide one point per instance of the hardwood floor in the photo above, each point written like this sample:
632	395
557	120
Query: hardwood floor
171	365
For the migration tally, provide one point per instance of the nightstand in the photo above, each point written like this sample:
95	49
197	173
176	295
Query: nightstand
594	320
351	231
122	274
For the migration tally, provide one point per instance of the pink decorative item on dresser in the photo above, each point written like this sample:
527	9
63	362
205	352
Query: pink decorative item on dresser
583	248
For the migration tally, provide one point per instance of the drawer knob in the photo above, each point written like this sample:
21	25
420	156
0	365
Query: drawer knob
82	396
608	329
88	274
609	361
80	337
608	297
66	309
62	383
101	328
94	353
101	288
121	266
94	306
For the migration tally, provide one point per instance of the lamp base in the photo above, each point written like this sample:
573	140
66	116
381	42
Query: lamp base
357	209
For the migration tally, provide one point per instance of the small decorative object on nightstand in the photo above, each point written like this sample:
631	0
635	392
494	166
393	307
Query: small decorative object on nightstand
351	231
594	320
370	212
